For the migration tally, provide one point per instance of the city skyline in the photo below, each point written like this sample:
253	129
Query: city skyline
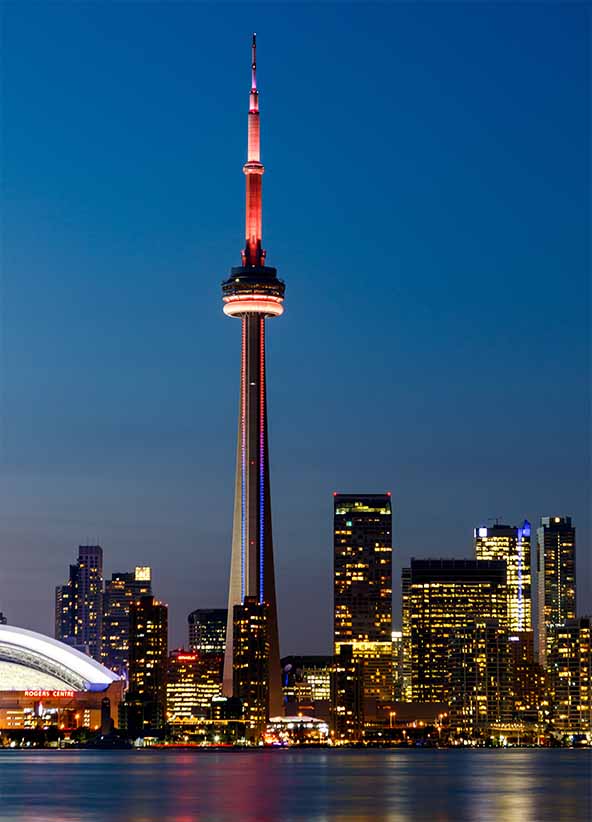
133	472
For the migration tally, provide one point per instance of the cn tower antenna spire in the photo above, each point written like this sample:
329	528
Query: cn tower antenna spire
253	254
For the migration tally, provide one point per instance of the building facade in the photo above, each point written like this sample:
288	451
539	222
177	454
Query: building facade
45	683
148	639
479	678
570	671
442	597
182	686
556	567
120	591
362	590
307	685
253	294
251	663
511	544
207	630
79	603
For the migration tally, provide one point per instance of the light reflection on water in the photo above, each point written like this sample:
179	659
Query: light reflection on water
523	785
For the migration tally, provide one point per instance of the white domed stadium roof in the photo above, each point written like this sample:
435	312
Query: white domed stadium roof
25	654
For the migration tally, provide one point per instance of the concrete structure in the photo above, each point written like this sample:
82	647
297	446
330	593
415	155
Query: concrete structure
253	293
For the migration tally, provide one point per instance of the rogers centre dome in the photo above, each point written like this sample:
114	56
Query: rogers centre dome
32	661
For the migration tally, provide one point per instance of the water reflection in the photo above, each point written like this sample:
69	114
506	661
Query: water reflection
317	786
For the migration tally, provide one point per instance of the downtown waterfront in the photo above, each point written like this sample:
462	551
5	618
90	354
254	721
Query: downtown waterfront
522	785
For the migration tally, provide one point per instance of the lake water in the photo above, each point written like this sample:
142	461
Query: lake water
518	785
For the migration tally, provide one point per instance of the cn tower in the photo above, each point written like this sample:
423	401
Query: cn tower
253	293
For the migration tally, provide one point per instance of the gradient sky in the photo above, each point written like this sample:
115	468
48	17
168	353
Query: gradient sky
427	203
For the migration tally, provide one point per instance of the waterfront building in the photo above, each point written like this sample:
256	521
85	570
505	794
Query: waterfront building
307	685
251	663
570	671
479	678
45	683
528	681
207	630
296	730
148	638
511	544
347	697
79	603
253	293
556	567
120	591
442	597
362	590
182	702
209	683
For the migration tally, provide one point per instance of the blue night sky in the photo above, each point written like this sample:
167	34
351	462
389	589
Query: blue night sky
426	201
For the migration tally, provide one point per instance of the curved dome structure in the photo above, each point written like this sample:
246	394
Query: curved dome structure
23	651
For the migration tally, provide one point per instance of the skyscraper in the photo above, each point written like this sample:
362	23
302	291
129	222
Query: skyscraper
362	590
556	570
570	664
120	591
79	603
512	544
148	639
442	596
479	677
251	663
207	630
253	293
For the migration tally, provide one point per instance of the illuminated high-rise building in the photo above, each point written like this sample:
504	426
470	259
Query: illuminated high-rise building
207	630
442	597
570	674
511	544
251	663
209	683
120	591
362	590
148	640
182	701
479	686
556	570
254	294
79	603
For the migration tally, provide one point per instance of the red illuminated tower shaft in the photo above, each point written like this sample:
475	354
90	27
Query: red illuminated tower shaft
253	293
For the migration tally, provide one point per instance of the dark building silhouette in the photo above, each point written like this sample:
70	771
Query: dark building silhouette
347	697
146	698
556	566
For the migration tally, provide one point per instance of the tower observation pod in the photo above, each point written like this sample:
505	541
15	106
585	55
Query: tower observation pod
253	293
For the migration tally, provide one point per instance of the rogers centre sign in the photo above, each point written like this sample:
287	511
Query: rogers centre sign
55	694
